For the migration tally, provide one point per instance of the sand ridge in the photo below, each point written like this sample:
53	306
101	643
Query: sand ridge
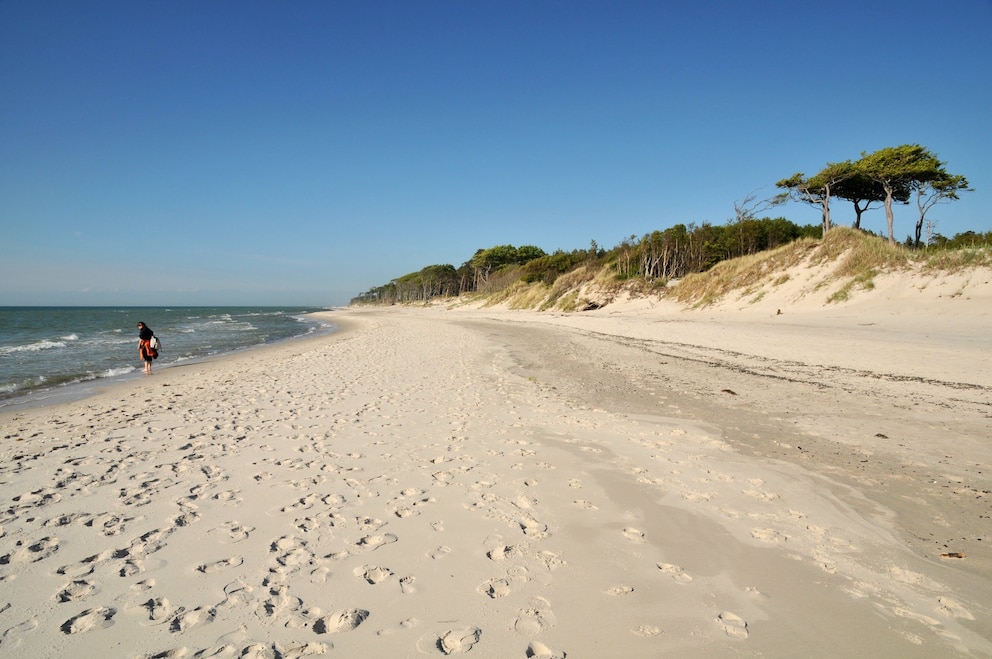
431	482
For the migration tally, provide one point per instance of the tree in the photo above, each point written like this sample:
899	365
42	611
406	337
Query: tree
941	190
487	261
863	191
817	189
527	253
899	168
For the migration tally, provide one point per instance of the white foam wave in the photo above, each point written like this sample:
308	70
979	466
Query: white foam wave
70	337
112	372
32	347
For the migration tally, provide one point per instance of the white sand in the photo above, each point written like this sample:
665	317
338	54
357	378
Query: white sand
634	482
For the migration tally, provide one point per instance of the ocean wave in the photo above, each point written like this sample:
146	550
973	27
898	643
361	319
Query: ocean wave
32	347
114	372
70	337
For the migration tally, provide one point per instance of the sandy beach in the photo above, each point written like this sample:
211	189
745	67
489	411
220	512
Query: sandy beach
638	481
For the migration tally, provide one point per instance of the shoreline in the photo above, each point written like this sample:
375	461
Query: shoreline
433	481
81	389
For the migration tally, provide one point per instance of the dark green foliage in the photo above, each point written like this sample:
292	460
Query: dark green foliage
681	249
547	268
962	240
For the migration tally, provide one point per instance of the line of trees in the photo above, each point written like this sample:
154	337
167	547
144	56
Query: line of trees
680	250
887	176
668	254
476	274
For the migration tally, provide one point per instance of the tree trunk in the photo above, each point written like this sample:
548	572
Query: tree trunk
857	215
888	212
826	211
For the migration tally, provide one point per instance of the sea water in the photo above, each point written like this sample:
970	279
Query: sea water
46	349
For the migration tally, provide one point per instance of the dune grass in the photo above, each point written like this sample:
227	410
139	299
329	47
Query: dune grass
858	259
847	261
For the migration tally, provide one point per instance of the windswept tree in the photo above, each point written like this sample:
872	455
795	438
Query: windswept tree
863	191
900	168
941	190
816	190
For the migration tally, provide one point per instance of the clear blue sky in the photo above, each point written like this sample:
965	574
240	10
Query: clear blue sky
242	152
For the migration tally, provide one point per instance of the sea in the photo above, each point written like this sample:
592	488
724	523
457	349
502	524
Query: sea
52	353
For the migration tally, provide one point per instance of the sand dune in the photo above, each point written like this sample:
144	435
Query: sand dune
634	482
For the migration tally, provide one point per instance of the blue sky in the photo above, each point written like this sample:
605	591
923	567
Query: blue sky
224	152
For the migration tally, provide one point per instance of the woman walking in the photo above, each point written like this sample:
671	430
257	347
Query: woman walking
145	350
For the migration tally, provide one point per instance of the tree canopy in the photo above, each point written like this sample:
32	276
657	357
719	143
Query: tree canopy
886	176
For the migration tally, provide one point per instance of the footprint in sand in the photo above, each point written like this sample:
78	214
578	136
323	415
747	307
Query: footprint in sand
551	560
338	555
761	495
634	535
539	650
186	620
459	641
32	553
232	532
89	619
216	566
300	504
280	602
11	637
495	588
236	594
109	524
536	618
291	551
677	573
186	519
442	477
374	541
231	497
86	566
501	553
291	651
440	552
343	621
76	590
407	585
156	609
620	590
402	626
368	524
133	566
647	630
533	529
586	505
771	536
373	574
733	625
